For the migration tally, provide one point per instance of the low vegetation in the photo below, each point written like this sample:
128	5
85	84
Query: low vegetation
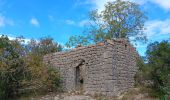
22	69
155	72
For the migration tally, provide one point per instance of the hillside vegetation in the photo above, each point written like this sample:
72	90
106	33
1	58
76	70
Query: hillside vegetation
22	69
154	71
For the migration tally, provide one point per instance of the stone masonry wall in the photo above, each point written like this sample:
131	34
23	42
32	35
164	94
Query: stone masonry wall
123	59
108	67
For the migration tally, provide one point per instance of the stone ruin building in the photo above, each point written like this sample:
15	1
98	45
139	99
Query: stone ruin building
106	68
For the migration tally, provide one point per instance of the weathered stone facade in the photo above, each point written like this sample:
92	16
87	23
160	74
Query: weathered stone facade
107	68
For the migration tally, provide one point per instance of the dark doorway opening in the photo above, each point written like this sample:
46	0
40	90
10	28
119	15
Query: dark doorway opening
79	78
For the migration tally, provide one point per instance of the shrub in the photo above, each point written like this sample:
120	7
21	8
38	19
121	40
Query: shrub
53	79
143	75
156	69
158	55
22	69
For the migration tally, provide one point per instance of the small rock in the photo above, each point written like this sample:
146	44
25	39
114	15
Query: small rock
86	93
56	98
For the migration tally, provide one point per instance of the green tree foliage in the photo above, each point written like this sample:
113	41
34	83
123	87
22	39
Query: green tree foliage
22	68
75	40
158	55
119	19
39	76
11	66
44	46
143	74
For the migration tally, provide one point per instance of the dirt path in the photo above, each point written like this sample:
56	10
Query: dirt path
63	96
76	97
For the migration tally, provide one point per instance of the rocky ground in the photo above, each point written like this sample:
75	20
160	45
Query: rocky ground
63	96
133	94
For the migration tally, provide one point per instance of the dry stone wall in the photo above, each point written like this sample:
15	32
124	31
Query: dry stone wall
107	68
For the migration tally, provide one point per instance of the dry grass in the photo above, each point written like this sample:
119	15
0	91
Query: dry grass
139	93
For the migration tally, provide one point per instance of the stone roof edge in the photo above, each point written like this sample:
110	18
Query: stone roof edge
112	41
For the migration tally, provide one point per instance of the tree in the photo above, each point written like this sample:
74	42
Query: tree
75	40
39	75
44	46
22	67
119	19
158	55
11	66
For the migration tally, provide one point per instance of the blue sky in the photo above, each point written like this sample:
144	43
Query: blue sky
61	19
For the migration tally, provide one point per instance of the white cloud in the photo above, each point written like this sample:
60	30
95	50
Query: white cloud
84	22
99	4
70	22
34	22
26	40
157	27
162	3
2	21
80	23
5	21
154	27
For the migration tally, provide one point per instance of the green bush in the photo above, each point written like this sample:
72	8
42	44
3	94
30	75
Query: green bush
143	73
53	79
3	88
22	67
11	66
158	55
156	68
